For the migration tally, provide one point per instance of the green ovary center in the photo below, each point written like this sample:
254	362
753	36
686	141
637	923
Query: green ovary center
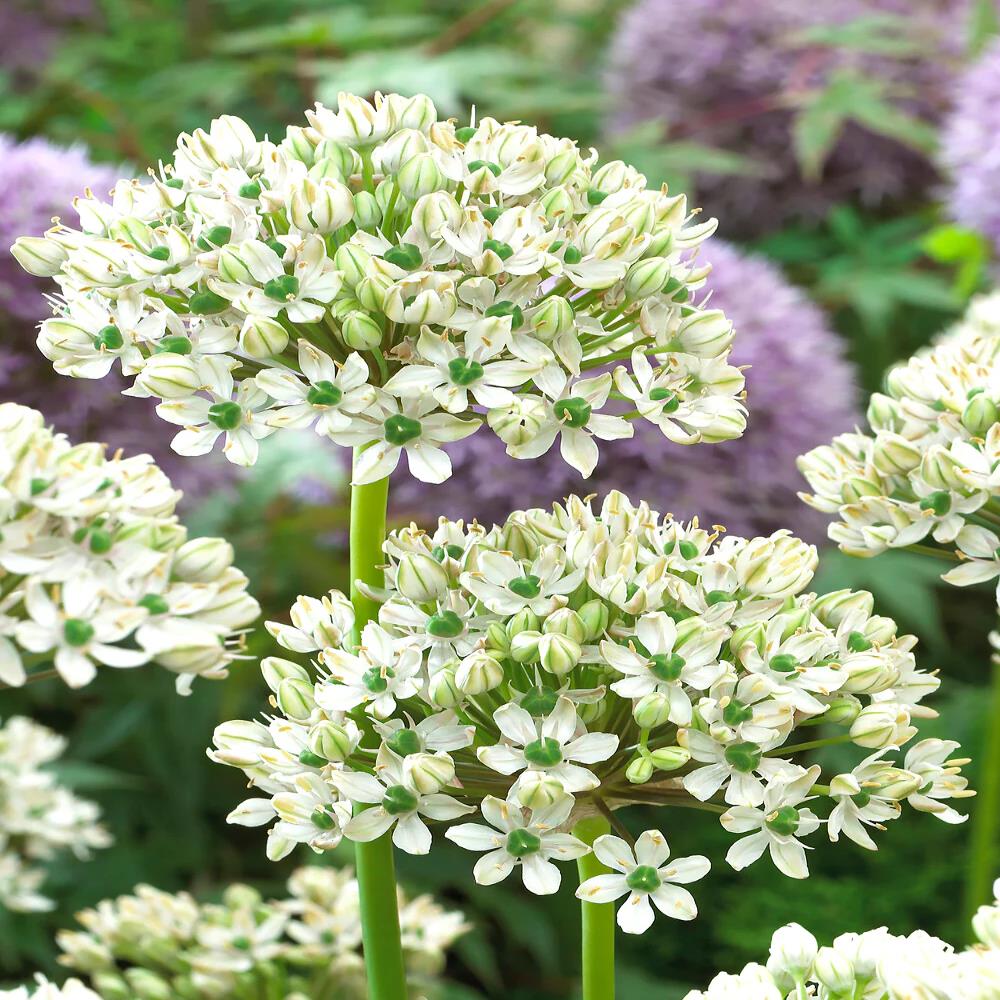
399	429
521	843
666	666
643	879
77	632
736	712
784	663
539	701
404	742
462	371
743	757
445	625
545	752
573	412
375	679
227	416
324	393
785	821
398	800
283	288
527	586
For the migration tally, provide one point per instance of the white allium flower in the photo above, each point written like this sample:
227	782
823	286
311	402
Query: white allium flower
515	836
398	281
873	964
96	570
572	662
298	945
644	876
72	989
39	818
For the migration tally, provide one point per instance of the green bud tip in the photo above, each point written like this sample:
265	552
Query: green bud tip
714	597
544	752
399	800
324	393
399	429
323	819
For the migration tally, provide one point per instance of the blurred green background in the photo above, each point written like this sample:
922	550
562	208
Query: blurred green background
890	270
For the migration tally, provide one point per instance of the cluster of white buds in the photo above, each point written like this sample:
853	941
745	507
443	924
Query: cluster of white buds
39	818
875	965
72	989
930	468
96	570
307	946
394	281
573	661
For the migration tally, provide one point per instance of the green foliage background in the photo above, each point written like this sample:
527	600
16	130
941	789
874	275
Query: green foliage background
125	80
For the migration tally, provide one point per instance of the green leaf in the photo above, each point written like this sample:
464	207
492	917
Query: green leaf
984	23
877	34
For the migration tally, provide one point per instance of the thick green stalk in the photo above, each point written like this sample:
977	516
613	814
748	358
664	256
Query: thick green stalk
984	852
374	861
598	919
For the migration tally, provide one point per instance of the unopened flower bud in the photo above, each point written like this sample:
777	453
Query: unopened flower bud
519	422
560	168
39	256
320	206
371	292
420	176
893	455
524	646
497	638
842	711
669	758
478	673
443	690
295	698
169	376
524	621
565	621
793	949
896	783
538	789
367	214
980	414
147	985
274	670
342	156
639	771
420	577
202	560
558	653
986	922
232	266
646	277
262	337
595	616
879	725
433	212
553	317
430	772
706	333
360	332
557	202
835	971
652	710
353	262
331	741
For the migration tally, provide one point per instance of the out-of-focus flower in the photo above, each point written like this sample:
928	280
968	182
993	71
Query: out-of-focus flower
297	945
38	181
970	146
875	964
732	87
97	570
31	29
39	819
800	389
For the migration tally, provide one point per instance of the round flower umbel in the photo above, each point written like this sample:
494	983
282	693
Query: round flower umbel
39	818
96	570
299	945
872	964
567	663
398	281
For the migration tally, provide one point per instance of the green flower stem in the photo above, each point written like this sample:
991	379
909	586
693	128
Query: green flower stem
811	745
374	861
598	941
984	864
928	550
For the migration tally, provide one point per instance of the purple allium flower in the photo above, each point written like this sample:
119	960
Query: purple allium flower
800	391
37	181
29	29
970	146
717	73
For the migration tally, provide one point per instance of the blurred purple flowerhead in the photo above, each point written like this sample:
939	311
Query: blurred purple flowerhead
800	391
970	147
722	74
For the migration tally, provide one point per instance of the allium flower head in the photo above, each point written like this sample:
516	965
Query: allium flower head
398	283
724	74
302	943
800	391
928	469
39	819
874	964
72	989
576	660
970	147
97	570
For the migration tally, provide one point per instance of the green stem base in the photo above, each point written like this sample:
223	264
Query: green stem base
598	920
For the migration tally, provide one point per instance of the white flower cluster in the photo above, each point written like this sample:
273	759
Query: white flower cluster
576	661
96	569
39	818
394	281
875	965
72	989
931	465
306	946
